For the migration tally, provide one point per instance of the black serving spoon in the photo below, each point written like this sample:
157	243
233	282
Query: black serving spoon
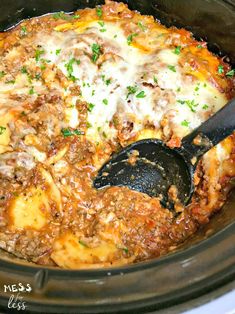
158	167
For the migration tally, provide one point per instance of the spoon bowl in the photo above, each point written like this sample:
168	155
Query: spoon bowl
151	167
154	170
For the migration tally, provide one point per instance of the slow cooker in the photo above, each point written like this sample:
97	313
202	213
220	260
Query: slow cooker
203	267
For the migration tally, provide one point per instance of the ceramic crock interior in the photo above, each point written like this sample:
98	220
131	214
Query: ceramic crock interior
200	16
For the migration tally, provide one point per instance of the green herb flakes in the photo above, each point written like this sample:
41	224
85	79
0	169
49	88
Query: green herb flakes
58	51
2	73
230	73
220	69
177	50
131	90
31	91
24	70
155	79
2	129
96	50
130	38
102	30
185	123
39	53
141	26
23	31
68	132
172	68
190	103
82	243
69	68
105	101
62	16
99	12
141	94
90	107
10	82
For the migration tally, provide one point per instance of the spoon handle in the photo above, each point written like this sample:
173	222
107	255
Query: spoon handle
211	132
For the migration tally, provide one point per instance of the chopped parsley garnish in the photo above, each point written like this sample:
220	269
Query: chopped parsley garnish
205	107
24	70
93	92
38	54
105	101
141	94
2	129
220	69
190	103
177	50
96	52
125	249
131	90
88	125
31	91
172	68
141	26
2	73
185	123
99	12
69	68
101	23
82	243
61	15
178	89
196	88
155	79
58	51
10	82
130	38
23	31
77	16
68	132
199	46
90	106
104	134
106	81
230	73
115	36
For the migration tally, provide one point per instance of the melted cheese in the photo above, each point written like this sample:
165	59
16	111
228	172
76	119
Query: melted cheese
129	66
70	252
31	209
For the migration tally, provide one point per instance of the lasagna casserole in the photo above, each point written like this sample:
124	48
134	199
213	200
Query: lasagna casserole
75	88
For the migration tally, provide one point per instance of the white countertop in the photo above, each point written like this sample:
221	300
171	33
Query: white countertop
222	305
